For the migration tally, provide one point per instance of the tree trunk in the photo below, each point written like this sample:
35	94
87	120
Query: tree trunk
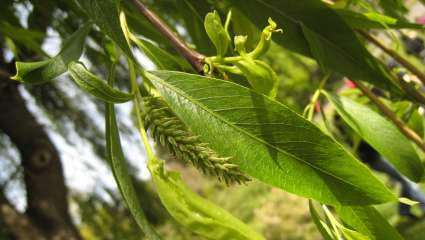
47	204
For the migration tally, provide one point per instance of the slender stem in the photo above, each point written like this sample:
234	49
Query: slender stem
395	55
409	133
194	58
138	108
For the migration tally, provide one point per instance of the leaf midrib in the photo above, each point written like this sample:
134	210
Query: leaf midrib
181	93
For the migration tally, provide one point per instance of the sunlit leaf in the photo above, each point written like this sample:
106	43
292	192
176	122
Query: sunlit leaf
196	213
372	20
381	134
268	140
43	71
368	221
216	32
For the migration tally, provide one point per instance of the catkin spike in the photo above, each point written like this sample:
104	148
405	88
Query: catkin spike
170	132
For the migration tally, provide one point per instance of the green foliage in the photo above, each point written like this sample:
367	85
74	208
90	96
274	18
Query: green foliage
95	86
296	156
374	20
345	54
380	134
196	213
368	221
104	13
119	168
170	132
217	33
43	71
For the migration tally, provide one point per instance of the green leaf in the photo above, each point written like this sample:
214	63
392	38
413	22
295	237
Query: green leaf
29	38
368	221
105	14
381	134
321	225
120	171
193	12
345	53
196	213
374	20
268	140
162	59
317	49
216	32
352	235
260	75
43	71
95	86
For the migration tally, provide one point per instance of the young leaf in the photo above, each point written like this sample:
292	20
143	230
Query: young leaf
345	53
216	32
119	168
196	213
321	225
268	140
260	75
162	59
42	71
95	86
368	221
381	134
372	20
105	14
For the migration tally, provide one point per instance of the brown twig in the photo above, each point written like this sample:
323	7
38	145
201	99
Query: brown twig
194	58
395	55
409	133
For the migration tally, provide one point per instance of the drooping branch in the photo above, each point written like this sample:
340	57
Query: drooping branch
193	57
409	66
409	133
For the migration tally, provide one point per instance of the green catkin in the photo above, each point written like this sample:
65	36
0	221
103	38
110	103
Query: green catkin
170	132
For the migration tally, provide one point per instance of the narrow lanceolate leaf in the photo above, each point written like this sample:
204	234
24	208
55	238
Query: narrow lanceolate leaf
120	170
42	71
105	14
371	20
345	53
269	141
198	214
368	221
316	47
381	134
96	86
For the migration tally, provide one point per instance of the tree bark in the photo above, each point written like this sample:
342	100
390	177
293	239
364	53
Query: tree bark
47	204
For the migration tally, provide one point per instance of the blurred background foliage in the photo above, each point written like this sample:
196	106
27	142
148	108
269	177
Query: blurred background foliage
73	119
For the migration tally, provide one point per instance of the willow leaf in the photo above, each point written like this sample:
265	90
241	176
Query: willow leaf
268	140
368	221
322	226
381	134
120	170
43	71
196	213
374	20
345	53
105	14
95	86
